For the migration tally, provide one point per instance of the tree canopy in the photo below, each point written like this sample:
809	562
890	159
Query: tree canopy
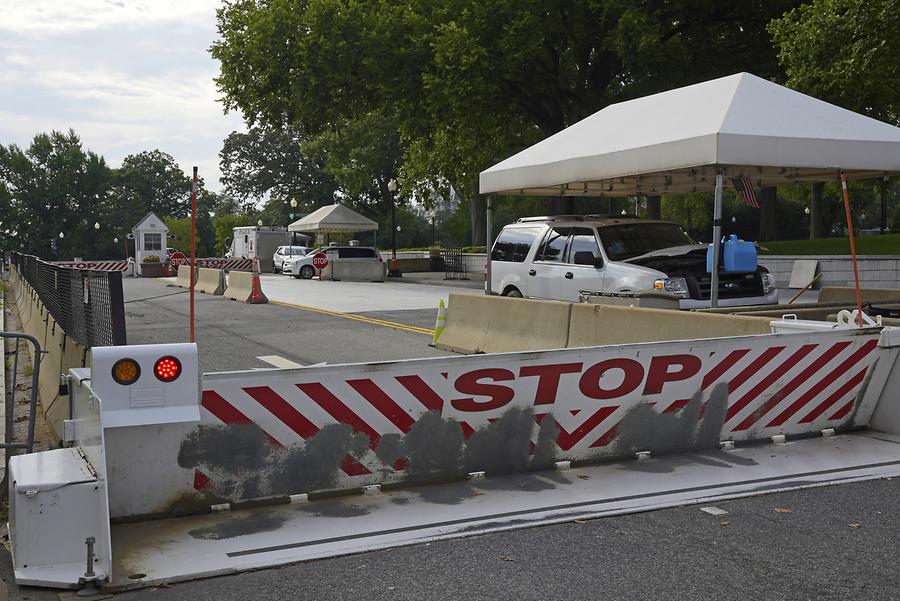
467	83
846	52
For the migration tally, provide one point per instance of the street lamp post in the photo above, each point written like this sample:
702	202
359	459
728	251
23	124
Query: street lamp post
293	214
393	272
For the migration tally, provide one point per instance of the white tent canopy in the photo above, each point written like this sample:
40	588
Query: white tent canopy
674	141
334	218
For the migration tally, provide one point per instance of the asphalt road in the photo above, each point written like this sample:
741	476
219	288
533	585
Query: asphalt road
839	542
231	335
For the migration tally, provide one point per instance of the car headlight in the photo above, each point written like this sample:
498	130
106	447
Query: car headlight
768	281
676	286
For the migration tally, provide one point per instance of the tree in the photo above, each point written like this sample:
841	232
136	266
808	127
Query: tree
270	160
54	186
467	83
844	51
151	181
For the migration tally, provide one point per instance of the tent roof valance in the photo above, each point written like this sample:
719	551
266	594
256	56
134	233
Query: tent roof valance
334	218
674	141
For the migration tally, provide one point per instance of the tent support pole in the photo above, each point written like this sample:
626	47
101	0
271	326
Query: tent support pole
488	242
717	242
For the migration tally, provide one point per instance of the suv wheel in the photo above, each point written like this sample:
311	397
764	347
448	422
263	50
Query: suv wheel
512	293
307	272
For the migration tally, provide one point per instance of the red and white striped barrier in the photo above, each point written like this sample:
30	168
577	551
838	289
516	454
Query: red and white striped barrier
216	263
352	425
94	265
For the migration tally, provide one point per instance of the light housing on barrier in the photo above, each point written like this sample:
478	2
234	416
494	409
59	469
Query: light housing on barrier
167	369
126	371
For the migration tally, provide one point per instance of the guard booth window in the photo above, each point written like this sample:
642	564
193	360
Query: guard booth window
513	244
152	241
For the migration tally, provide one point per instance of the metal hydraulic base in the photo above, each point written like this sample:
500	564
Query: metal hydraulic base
184	548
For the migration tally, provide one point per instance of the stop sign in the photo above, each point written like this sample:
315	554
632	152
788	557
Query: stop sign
320	260
178	258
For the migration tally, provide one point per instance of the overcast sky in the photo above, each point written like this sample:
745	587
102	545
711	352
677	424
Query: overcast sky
126	75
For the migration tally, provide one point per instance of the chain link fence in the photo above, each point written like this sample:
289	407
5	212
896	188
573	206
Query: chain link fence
87	304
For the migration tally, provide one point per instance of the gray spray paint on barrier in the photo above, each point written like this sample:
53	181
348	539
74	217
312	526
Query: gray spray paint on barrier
243	463
695	428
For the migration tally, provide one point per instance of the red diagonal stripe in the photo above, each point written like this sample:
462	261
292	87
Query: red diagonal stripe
677	405
216	404
423	392
283	410
228	413
607	437
385	404
727	363
566	440
352	467
764	385
800	379
833	375
751	370
323	397
843	411
201	481
835	396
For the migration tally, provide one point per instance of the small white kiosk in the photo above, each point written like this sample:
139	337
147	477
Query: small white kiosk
149	239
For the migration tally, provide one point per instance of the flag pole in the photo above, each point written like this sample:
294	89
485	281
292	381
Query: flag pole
859	312
193	244
717	245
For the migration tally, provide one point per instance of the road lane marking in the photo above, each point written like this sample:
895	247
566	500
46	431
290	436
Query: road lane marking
362	318
279	361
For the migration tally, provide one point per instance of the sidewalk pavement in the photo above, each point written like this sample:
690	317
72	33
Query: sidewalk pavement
438	278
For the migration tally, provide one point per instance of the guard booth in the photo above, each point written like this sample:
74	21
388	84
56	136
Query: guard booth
149	239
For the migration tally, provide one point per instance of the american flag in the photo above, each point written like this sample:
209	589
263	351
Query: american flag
744	187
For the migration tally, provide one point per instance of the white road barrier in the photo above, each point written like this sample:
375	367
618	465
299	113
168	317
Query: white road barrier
286	434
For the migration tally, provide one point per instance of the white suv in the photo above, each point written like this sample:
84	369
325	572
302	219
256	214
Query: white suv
558	257
283	254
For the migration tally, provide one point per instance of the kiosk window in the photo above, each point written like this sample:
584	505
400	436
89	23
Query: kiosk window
152	241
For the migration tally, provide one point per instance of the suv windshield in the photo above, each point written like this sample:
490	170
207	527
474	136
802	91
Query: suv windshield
634	239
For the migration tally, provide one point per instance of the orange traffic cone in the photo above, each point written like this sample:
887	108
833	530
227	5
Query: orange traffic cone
256	294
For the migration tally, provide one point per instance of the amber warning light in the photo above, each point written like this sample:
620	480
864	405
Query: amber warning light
167	369
126	371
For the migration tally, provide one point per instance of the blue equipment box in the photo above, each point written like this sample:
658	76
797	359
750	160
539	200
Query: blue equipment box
738	256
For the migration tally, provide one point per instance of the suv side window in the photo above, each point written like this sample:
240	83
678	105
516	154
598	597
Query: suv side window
513	244
553	248
583	248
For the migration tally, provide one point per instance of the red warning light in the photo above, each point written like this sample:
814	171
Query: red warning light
167	368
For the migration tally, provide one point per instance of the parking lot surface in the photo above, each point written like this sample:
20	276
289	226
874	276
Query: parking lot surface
232	335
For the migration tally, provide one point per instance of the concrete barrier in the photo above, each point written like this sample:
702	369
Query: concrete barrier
847	294
592	325
240	286
210	281
354	271
497	324
184	279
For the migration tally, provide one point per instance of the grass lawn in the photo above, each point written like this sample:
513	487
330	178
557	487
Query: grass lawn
865	245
